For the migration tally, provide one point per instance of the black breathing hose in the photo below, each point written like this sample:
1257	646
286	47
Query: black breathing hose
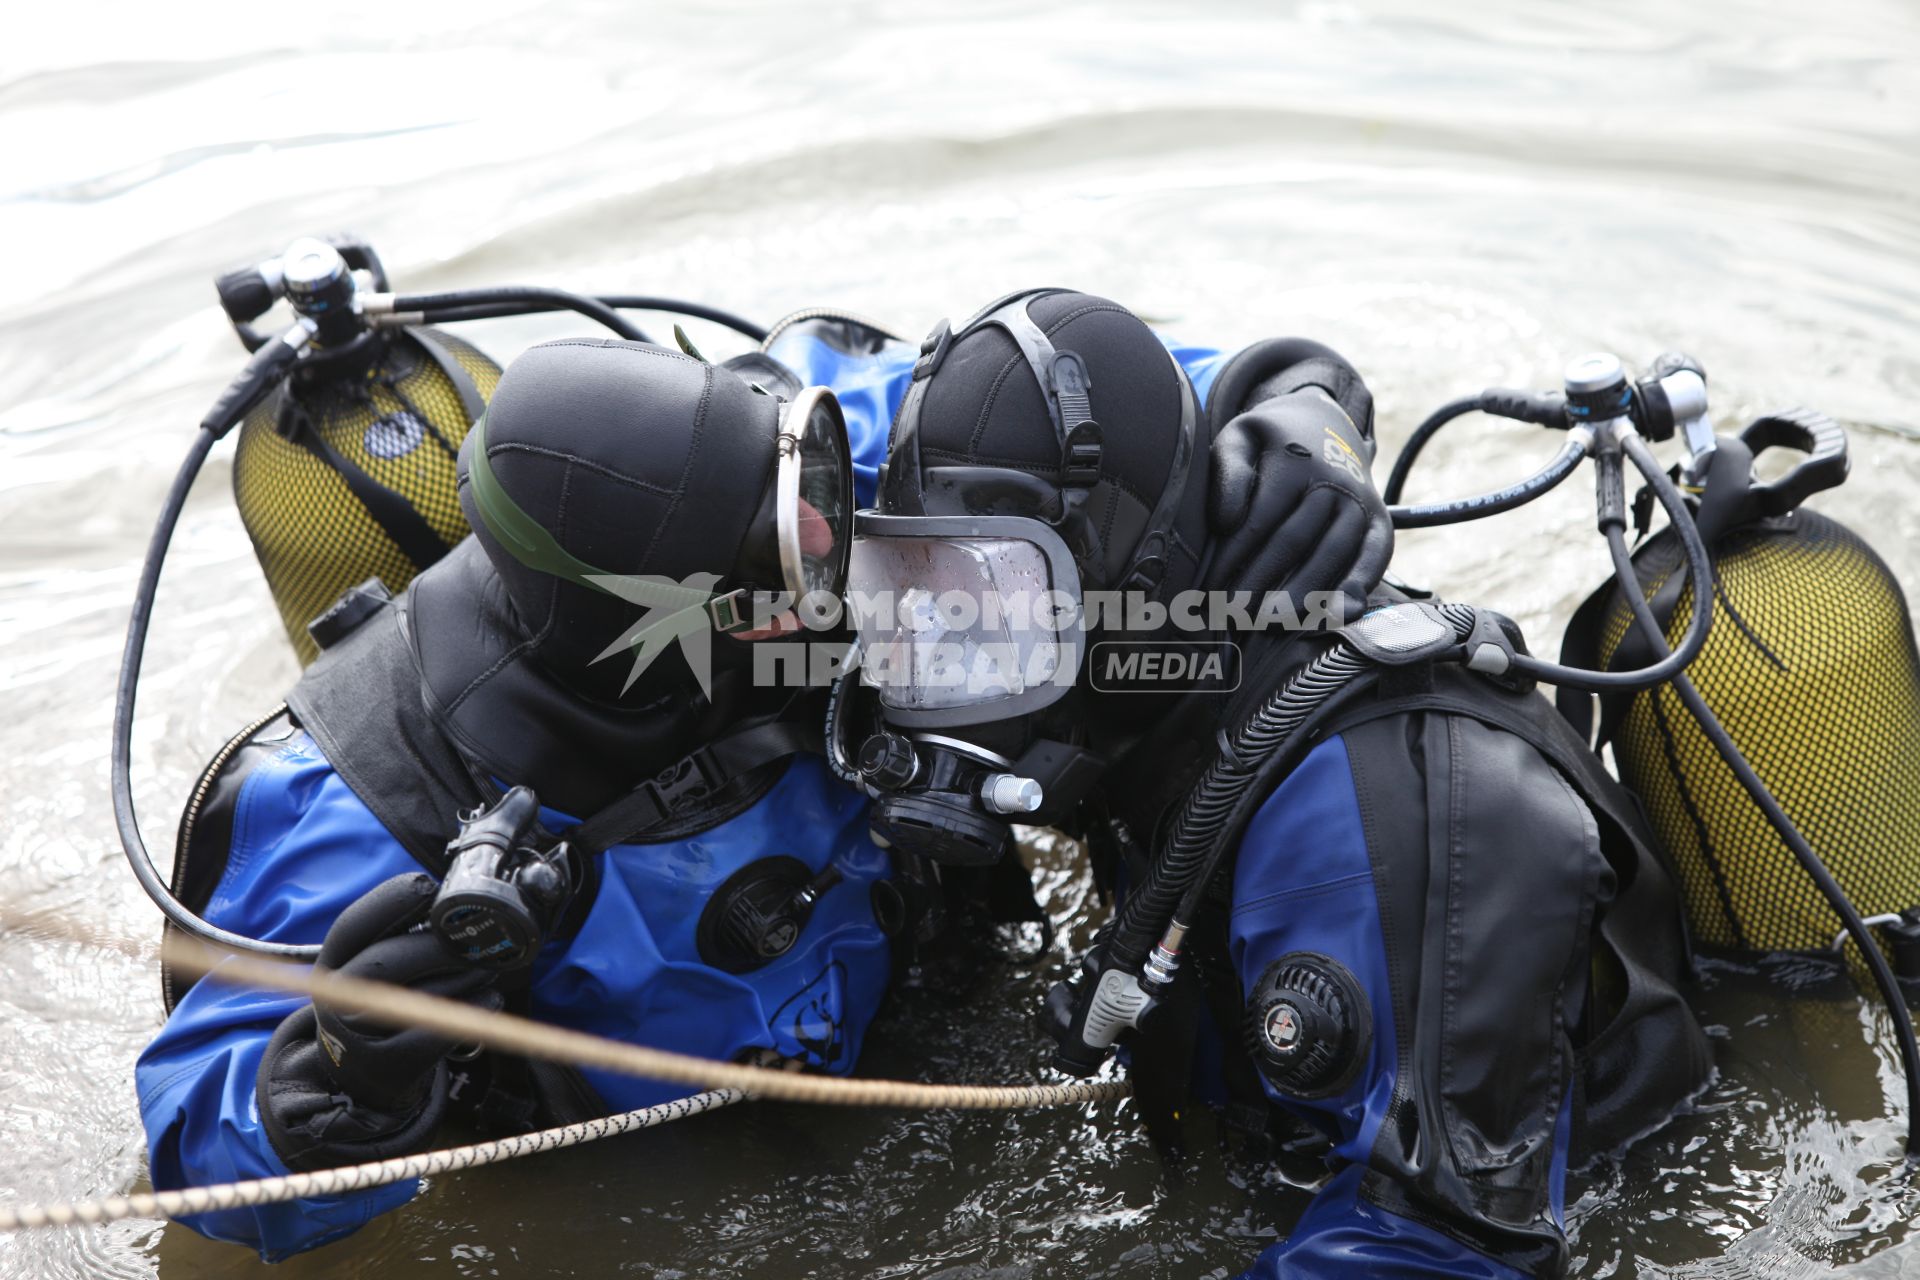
1699	572
1729	751
1458	510
698	310
1547	410
121	770
622	301
520	295
1426	431
261	375
1193	845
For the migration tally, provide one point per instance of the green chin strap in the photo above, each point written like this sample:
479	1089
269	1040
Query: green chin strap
677	611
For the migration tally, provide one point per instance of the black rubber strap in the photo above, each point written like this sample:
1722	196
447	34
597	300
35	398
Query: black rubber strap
393	513
692	778
471	402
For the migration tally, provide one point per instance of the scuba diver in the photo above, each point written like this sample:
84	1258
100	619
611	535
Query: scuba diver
1442	940
544	777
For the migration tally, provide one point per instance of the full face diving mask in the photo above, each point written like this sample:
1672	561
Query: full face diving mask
972	625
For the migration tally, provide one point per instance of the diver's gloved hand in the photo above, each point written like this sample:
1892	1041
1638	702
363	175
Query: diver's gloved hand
338	1088
1291	503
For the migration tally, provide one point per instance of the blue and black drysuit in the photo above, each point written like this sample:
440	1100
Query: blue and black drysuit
281	844
1492	893
1446	943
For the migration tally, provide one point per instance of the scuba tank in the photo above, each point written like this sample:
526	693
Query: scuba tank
1811	668
346	470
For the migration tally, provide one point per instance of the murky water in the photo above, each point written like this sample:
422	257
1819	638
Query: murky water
1453	198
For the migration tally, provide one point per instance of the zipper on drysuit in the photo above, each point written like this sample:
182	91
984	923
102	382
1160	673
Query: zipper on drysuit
192	814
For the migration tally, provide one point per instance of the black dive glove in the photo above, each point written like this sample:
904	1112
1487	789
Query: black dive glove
1291	504
339	1088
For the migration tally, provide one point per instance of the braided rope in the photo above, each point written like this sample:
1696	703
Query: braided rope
359	1177
725	1082
463	1023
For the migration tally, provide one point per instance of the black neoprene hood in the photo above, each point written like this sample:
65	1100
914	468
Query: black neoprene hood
982	439
637	460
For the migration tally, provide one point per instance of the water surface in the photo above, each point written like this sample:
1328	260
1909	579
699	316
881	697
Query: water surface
1453	195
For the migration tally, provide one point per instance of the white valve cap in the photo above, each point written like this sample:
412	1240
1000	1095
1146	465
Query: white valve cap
1009	793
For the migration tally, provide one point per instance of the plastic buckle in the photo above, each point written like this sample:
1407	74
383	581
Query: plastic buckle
1071	385
1080	459
933	351
1147	574
1400	635
1491	648
726	612
691	778
355	606
1149	566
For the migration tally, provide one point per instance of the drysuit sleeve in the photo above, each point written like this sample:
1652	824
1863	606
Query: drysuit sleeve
302	849
1446	877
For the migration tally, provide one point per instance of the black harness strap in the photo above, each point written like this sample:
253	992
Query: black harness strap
471	402
694	777
1651	1053
365	689
393	513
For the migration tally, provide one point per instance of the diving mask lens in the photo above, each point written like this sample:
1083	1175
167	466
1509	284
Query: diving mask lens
969	619
813	508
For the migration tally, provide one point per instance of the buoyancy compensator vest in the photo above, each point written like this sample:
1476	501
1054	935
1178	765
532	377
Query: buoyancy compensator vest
1642	1052
1810	666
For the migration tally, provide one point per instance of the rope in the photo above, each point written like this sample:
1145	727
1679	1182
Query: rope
358	1177
463	1023
725	1082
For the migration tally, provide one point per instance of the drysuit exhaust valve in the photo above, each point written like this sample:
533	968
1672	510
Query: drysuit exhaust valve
1307	1025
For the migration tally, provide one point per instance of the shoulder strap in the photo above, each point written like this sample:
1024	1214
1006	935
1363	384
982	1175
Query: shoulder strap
695	777
392	512
1650	1054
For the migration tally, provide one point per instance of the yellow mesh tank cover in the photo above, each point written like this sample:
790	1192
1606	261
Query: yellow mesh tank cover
351	476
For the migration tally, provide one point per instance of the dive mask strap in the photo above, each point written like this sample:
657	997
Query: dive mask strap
1149	567
1065	386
